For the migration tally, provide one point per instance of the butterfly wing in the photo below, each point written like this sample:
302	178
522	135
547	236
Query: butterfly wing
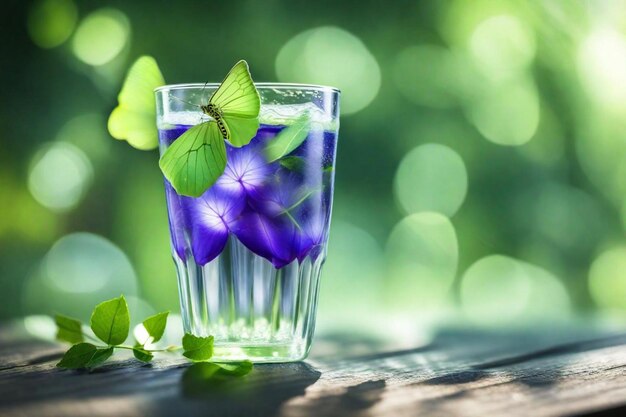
240	130
239	103
195	160
134	118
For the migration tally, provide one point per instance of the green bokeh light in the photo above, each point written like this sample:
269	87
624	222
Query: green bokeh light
142	230
332	56
431	177
566	217
601	151
607	279
60	175
355	266
508	113
40	326
502	47
498	290
101	36
51	22
602	67
422	257
79	271
86	263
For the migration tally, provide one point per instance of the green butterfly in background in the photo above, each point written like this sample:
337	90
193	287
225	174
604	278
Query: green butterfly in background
197	158
134	119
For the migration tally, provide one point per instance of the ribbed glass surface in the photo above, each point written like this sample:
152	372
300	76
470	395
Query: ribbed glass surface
253	310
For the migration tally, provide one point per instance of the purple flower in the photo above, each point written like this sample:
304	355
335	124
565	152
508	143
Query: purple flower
278	212
282	222
246	170
275	238
314	228
212	216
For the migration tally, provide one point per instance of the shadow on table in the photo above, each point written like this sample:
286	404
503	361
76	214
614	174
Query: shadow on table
261	393
480	353
353	401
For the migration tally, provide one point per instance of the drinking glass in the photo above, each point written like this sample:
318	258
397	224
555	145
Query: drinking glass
250	250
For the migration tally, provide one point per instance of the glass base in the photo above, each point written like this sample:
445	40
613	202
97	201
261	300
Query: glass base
254	311
258	353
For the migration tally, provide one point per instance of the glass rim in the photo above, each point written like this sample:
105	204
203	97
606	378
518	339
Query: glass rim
260	86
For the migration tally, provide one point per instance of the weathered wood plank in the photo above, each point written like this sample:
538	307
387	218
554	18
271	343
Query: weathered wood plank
458	373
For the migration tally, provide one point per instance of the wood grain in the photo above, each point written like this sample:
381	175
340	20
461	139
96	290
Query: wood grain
460	372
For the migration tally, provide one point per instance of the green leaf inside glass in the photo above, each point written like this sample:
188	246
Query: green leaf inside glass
288	139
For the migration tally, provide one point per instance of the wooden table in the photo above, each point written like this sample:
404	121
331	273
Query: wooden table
459	372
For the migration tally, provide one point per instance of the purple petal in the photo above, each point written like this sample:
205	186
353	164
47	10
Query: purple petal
212	215
312	236
296	211
207	244
176	220
265	134
246	170
281	193
313	220
274	238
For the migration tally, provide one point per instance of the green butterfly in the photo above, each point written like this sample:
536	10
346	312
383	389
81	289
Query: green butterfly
197	158
134	118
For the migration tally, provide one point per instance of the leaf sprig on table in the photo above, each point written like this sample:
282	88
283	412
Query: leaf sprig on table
110	323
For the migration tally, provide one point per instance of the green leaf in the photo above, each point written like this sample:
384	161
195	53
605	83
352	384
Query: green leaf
68	329
236	368
197	348
288	139
155	325
292	163
110	321
134	119
142	354
78	356
195	160
99	356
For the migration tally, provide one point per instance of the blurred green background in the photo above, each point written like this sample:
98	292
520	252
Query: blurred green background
481	172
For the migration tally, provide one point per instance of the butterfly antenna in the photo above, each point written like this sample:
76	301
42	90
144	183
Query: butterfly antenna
186	102
202	91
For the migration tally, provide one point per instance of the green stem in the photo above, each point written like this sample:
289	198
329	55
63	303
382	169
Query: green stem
295	222
124	347
169	349
300	201
147	350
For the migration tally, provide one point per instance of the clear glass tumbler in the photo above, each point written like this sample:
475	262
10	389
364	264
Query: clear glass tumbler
249	251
